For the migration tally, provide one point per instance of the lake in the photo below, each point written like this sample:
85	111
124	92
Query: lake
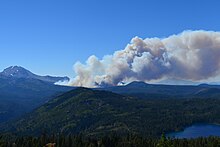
197	130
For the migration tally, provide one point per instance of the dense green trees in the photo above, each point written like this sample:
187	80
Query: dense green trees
110	141
96	113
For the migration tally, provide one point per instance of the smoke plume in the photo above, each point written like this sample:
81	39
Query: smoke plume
191	55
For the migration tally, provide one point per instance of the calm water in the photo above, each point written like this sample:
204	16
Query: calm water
197	130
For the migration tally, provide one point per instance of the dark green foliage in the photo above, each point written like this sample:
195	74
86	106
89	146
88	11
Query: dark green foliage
108	141
164	142
97	113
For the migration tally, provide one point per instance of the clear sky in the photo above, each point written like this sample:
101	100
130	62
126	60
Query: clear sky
49	36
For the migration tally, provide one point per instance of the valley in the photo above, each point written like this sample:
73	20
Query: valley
109	73
97	112
32	107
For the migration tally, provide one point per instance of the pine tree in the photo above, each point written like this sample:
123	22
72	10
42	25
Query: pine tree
164	142
1	142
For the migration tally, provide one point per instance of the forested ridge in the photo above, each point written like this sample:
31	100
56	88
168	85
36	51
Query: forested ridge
96	113
87	117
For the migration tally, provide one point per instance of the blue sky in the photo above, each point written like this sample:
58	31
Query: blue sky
49	36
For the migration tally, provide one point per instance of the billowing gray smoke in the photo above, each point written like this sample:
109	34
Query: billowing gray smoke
191	55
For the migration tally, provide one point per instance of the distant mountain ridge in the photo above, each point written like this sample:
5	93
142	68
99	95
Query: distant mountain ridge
177	82
21	91
20	72
144	90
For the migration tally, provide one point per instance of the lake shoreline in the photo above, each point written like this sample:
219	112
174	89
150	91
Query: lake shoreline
196	130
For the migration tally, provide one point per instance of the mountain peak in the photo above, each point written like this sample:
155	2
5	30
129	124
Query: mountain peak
16	67
204	84
137	84
16	71
20	72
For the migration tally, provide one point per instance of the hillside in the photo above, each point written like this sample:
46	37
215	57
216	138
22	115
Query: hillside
80	110
95	112
25	95
21	91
